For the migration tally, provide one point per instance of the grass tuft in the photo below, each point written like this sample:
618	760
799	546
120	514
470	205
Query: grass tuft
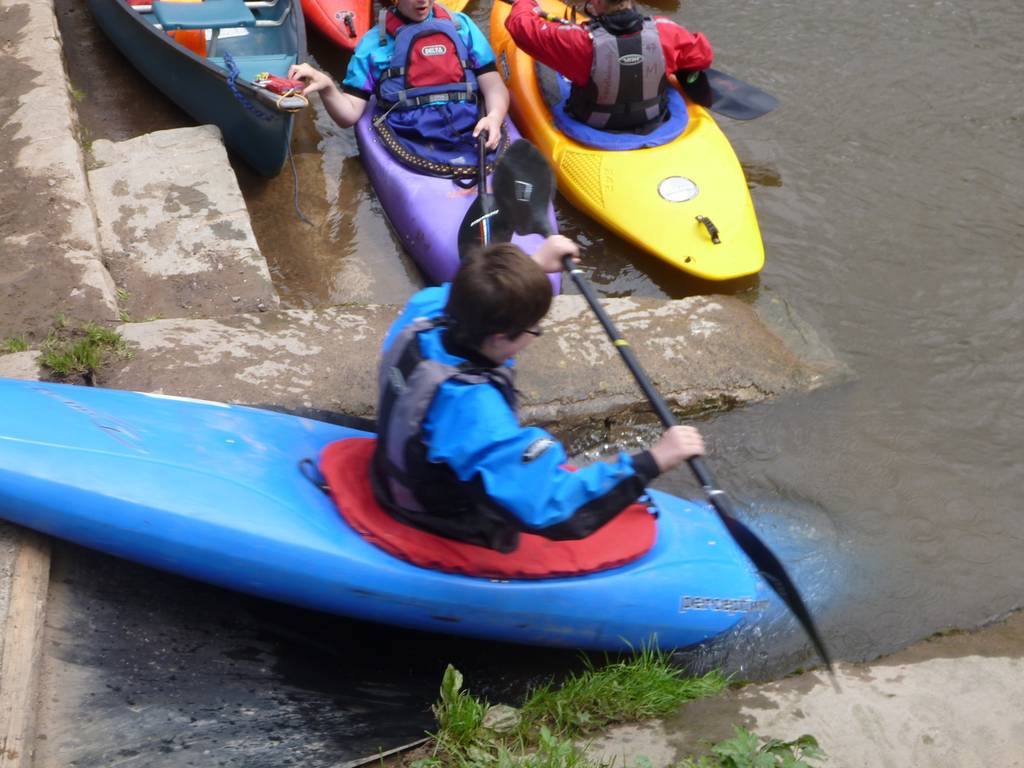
459	715
642	686
14	344
69	352
543	733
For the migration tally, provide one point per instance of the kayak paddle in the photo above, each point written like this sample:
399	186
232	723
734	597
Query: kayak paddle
523	189
727	95
477	227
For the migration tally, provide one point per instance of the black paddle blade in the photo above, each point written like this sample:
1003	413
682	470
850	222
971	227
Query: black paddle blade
734	98
524	187
773	572
471	229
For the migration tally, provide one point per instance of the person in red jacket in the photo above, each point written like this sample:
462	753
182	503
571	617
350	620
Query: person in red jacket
617	62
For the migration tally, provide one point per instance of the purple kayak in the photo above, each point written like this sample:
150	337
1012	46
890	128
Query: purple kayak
426	211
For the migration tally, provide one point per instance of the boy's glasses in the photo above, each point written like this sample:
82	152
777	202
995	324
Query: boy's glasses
536	332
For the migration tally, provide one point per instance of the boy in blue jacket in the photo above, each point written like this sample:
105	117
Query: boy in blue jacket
452	457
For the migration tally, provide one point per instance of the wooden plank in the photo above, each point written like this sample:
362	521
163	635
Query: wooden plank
22	650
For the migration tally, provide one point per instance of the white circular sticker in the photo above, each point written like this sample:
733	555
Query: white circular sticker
677	189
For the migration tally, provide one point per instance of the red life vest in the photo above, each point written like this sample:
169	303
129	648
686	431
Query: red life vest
429	64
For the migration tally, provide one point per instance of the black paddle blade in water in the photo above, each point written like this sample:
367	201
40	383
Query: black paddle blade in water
526	169
773	572
728	96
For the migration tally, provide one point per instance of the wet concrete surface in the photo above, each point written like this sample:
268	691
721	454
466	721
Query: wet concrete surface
144	668
955	700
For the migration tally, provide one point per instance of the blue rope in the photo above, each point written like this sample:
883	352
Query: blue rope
233	73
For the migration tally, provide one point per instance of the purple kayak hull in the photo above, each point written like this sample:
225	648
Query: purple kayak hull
426	211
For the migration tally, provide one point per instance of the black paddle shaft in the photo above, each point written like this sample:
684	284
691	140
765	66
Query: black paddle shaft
480	226
485	203
767	564
523	189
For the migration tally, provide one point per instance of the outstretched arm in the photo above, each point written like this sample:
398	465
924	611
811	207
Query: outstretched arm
344	108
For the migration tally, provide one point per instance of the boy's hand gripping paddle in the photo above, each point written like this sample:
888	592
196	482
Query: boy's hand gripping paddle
523	189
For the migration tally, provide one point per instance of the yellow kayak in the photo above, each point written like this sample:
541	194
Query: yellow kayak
673	200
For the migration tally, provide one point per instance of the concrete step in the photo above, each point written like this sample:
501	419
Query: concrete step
704	353
174	228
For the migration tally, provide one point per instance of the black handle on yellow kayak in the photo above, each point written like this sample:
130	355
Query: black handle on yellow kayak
524	169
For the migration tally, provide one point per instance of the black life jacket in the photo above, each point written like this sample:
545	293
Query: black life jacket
628	89
419	492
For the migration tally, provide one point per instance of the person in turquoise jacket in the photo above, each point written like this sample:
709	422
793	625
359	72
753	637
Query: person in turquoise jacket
452	457
372	64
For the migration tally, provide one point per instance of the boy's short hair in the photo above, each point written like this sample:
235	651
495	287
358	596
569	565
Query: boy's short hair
498	289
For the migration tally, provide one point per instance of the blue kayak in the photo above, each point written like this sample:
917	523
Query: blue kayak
216	492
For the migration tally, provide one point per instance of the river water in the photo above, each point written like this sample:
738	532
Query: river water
889	186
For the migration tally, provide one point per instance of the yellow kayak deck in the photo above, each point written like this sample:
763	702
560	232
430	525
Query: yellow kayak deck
654	198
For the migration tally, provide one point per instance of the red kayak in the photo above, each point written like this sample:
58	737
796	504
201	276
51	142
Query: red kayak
343	21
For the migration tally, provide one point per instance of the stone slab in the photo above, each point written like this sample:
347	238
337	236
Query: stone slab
704	353
174	227
21	365
296	359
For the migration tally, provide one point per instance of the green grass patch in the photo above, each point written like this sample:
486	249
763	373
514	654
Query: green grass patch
543	733
642	686
546	731
70	352
459	715
14	344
